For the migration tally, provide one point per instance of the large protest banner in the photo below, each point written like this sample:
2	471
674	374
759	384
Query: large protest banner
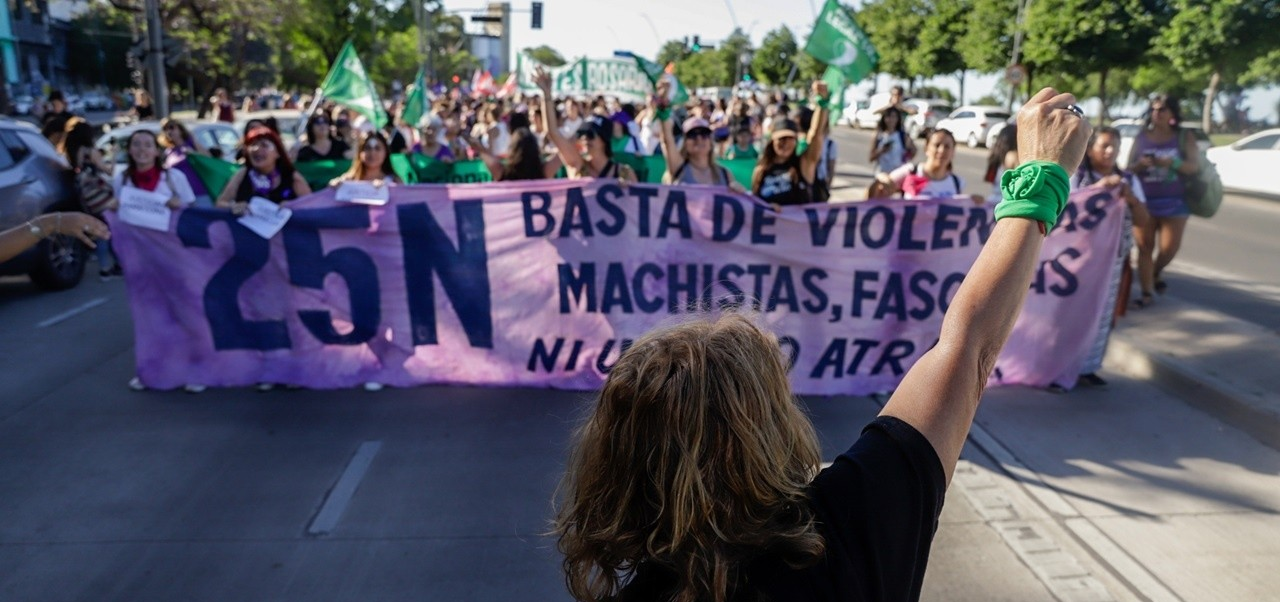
545	283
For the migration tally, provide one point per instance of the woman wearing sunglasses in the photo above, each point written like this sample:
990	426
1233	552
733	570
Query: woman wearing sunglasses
781	177
321	145
692	162
592	156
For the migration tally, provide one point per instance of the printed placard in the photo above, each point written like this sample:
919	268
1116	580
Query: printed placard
144	209
365	193
264	217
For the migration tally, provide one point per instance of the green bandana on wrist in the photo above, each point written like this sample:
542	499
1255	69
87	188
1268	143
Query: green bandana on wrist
1036	190
664	114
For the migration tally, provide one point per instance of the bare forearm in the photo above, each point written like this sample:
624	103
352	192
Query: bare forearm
988	302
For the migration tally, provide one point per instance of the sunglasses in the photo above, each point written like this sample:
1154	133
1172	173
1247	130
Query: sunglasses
587	135
786	139
698	135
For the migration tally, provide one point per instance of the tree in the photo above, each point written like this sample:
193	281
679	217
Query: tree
777	53
1226	38
894	27
673	51
702	70
730	52
1079	38
100	38
937	50
546	55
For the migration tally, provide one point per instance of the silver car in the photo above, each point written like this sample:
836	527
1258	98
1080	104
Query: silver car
34	180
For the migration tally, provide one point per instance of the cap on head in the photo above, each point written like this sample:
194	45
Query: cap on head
695	123
783	128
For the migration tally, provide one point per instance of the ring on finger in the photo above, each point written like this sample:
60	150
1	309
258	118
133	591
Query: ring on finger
1079	112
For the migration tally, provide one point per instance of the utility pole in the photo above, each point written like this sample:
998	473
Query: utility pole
155	61
1017	48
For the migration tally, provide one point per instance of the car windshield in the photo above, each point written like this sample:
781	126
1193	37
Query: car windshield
998	115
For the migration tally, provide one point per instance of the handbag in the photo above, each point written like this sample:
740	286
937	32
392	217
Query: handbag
1203	189
96	193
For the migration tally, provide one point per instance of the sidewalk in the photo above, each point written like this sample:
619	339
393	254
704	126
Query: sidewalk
1219	364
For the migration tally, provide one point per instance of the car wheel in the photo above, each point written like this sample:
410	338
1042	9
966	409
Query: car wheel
973	140
61	263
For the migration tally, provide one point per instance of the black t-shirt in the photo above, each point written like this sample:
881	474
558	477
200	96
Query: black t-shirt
876	508
337	152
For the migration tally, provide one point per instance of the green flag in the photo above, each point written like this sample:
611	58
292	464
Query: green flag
835	86
655	73
347	84
839	42
415	105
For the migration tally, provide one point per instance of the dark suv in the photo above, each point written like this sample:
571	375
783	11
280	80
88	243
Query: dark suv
35	179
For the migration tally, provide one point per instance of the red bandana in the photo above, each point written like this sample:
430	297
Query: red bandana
147	179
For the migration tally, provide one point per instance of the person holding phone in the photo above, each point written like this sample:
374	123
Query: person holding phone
892	147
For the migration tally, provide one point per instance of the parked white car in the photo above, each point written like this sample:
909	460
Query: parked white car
1250	165
1129	128
971	123
925	114
849	116
22	104
219	138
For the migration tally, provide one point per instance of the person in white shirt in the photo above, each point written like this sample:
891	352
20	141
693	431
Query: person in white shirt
144	172
934	177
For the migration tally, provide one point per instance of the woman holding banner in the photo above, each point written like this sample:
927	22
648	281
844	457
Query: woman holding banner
935	178
144	172
592	156
432	143
268	173
781	177
697	475
693	162
1099	171
373	162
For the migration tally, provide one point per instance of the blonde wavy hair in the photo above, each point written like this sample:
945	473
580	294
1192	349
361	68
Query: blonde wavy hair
695	458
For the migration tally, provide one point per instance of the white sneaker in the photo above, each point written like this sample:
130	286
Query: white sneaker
135	384
372	386
194	388
264	387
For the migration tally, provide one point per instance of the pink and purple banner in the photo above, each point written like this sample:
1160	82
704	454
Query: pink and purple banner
545	283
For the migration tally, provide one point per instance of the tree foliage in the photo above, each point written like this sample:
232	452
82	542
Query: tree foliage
773	61
894	27
546	55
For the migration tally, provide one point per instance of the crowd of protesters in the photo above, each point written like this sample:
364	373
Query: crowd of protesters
541	135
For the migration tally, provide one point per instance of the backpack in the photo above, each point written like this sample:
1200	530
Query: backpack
95	191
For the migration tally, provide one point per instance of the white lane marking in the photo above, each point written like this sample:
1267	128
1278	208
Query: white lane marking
338	498
73	312
1123	564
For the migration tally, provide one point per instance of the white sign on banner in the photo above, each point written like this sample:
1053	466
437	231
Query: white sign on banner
145	209
365	193
264	217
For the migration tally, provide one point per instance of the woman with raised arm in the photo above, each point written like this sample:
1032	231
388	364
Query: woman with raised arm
591	156
781	177
696	476
693	162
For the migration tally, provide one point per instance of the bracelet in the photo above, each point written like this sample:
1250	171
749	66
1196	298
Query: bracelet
823	102
1177	164
664	114
1034	190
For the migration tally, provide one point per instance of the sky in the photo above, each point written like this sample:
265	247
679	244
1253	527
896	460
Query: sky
595	28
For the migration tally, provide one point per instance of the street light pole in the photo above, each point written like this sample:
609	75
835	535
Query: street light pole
1017	48
155	61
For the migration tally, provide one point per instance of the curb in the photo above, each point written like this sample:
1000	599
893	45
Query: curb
1247	411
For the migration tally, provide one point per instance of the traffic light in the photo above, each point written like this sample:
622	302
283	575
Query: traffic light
746	77
537	15
697	44
456	79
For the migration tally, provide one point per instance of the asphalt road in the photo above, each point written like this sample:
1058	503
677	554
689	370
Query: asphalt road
440	493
